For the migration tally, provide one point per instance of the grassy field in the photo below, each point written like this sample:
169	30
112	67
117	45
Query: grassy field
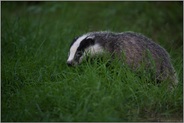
37	85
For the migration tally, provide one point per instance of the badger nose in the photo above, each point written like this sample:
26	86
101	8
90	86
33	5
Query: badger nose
69	63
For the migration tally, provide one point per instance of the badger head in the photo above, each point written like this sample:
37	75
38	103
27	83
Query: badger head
81	47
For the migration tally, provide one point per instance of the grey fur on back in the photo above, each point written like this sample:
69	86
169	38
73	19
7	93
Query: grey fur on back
135	46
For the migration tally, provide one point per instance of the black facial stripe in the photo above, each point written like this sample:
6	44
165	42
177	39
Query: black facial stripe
85	44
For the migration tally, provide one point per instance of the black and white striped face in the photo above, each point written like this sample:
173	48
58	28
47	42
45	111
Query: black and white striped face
80	47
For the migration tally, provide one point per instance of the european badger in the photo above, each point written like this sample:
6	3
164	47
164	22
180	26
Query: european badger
136	47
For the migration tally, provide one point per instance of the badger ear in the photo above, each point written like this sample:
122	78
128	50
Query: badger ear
91	39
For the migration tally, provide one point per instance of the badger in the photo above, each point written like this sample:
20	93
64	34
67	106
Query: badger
135	46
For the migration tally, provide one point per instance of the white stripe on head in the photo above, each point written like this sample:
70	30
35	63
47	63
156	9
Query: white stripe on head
74	47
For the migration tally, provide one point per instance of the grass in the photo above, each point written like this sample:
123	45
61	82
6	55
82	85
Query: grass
37	85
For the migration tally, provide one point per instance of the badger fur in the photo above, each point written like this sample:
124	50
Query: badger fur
133	45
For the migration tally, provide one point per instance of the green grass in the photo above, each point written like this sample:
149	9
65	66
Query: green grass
37	85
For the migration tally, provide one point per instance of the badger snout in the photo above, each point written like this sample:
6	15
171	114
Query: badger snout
72	63
69	63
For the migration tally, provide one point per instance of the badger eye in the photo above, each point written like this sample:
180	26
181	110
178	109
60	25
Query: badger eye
78	54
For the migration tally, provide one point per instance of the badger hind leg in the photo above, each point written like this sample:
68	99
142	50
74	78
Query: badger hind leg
167	74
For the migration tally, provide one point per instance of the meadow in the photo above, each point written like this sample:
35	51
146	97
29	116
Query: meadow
37	84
